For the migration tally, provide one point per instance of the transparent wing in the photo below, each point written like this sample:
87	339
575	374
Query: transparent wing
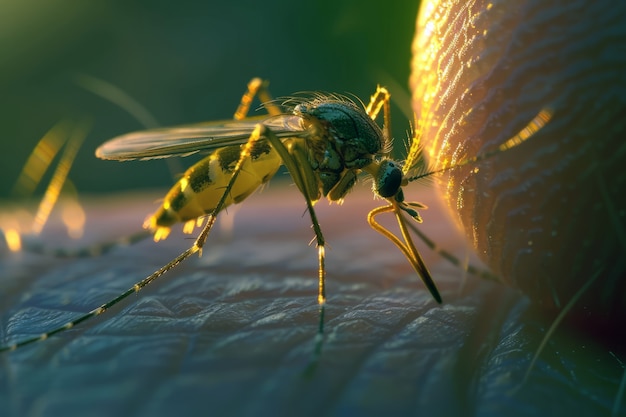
190	139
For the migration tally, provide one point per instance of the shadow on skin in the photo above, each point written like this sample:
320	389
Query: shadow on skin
231	333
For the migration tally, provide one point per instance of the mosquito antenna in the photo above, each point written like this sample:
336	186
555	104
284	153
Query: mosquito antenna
539	121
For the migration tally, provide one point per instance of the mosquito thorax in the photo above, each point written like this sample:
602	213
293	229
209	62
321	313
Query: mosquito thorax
357	136
344	140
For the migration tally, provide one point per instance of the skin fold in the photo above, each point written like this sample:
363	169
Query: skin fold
548	216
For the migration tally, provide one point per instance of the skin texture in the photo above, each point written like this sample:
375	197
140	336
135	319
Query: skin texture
547	217
233	332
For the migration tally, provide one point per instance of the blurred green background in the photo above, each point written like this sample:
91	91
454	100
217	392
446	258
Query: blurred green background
185	61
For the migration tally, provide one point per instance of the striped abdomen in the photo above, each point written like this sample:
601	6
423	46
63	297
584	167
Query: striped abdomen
201	187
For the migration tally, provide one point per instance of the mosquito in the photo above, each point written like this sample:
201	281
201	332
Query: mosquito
325	141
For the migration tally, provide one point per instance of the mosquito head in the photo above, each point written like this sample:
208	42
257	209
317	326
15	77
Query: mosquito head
388	178
388	181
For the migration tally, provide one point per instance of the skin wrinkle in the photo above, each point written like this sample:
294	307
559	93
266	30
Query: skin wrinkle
430	349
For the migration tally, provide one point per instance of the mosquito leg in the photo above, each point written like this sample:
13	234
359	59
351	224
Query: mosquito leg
256	88
59	178
423	269
64	135
86	252
407	247
34	170
294	158
104	307
380	99
75	139
40	159
454	260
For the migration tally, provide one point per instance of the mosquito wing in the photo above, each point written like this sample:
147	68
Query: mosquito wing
190	139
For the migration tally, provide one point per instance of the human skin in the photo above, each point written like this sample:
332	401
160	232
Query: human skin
548	216
233	332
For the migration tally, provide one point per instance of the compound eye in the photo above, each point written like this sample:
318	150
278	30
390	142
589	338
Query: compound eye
389	179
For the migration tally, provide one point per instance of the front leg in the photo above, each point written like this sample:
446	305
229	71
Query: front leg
295	159
380	99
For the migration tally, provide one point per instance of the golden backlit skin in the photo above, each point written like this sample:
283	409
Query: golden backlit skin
549	215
